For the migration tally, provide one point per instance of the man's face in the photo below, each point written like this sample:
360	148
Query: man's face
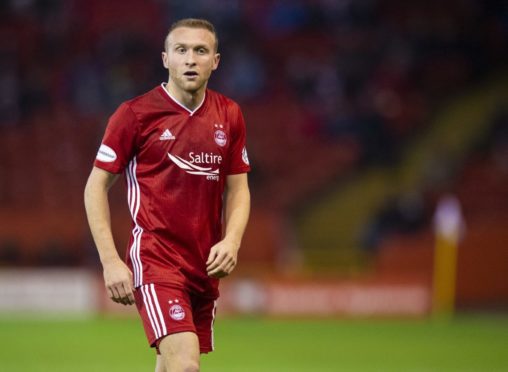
190	57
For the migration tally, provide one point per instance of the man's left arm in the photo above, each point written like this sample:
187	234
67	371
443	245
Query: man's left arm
223	255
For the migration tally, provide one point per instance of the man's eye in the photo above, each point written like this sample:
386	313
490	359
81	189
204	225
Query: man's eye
201	51
180	50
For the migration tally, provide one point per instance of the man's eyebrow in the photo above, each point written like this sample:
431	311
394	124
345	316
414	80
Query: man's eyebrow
181	44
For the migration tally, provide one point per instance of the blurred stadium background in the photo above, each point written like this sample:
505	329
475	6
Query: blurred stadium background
378	135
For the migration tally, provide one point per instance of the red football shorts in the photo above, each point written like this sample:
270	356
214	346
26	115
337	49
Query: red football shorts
165	310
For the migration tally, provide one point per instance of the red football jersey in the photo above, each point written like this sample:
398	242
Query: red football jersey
176	162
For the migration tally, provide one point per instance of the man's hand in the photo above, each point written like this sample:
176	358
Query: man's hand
118	280
222	259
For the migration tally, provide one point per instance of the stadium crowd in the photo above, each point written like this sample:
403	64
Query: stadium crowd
327	87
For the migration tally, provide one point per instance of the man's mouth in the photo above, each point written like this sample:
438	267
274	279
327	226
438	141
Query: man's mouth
190	73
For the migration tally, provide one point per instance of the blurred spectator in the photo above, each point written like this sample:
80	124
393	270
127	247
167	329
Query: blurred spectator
402	214
245	77
9	92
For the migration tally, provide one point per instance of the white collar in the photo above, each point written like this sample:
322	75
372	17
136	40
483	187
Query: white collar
191	112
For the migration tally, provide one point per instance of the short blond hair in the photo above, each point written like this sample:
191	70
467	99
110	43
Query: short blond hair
193	23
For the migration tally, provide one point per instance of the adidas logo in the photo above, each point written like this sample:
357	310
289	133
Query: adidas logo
167	135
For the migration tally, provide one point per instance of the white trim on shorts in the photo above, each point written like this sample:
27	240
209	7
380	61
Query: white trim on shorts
154	311
212	338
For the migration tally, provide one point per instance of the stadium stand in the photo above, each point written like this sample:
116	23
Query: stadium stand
329	90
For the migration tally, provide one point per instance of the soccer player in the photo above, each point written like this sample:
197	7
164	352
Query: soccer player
182	148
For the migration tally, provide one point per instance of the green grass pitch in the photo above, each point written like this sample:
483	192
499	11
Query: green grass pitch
467	343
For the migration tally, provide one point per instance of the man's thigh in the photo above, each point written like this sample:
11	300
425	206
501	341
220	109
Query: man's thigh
180	352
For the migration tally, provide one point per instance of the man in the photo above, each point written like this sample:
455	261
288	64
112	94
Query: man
182	147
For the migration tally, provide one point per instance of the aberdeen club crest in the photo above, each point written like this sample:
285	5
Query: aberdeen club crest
220	136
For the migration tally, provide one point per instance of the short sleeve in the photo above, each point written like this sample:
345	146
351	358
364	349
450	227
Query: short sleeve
239	160
118	144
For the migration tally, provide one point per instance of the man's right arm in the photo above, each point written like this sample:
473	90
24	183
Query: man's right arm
117	276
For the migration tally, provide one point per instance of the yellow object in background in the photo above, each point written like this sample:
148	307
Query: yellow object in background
449	229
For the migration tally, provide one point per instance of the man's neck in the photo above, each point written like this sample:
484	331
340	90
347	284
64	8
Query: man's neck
191	100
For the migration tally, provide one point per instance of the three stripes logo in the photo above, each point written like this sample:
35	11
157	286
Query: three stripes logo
167	135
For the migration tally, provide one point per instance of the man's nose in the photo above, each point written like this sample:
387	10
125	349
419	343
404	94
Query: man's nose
190	58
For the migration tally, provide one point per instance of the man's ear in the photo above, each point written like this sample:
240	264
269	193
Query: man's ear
216	60
165	60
